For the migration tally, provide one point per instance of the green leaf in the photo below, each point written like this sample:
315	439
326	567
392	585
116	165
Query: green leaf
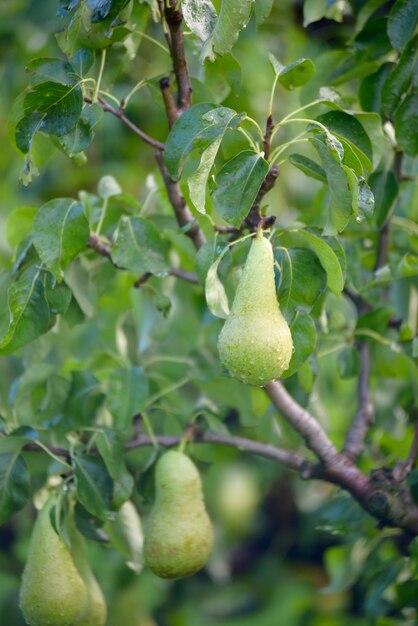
400	78
60	233
339	192
302	280
324	252
84	398
105	9
402	21
14	484
112	450
232	19
385	191
238	184
19	224
198	127
44	70
138	246
200	16
206	255
262	9
314	10
59	106
216	297
362	199
127	395
406	124
94	485
294	75
221	117
125	531
29	310
348	127
372	124
81	136
108	186
370	93
304	341
308	166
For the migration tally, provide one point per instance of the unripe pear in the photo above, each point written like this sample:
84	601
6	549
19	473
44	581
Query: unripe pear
178	535
53	592
255	344
95	611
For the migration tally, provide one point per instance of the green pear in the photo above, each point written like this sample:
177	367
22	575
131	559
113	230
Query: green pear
255	344
95	611
178	535
53	592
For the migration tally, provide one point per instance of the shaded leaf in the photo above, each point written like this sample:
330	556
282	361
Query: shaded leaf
324	252
138	246
125	531
348	127
262	9
232	19
112	450
370	93
406	124
60	233
402	21
339	192
302	280
385	190
238	184
14	484
29	310
127	396
216	297
198	127
308	167
19	224
84	398
294	75
304	341
94	485
400	77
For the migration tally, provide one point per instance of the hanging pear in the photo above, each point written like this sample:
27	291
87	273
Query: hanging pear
255	344
178	535
95	611
52	593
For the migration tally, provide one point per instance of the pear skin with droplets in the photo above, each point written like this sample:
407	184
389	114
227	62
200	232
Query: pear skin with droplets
178	535
53	592
255	343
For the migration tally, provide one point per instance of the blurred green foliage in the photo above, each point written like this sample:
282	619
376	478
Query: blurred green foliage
306	555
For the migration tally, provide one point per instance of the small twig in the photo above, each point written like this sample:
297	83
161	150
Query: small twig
225	229
169	102
403	468
254	216
108	108
267	136
189	277
382	246
182	212
364	418
174	19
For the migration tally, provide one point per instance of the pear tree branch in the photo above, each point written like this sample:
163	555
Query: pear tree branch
303	422
174	18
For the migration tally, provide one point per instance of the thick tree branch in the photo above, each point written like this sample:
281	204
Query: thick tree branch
364	418
108	108
174	19
303	422
182	212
